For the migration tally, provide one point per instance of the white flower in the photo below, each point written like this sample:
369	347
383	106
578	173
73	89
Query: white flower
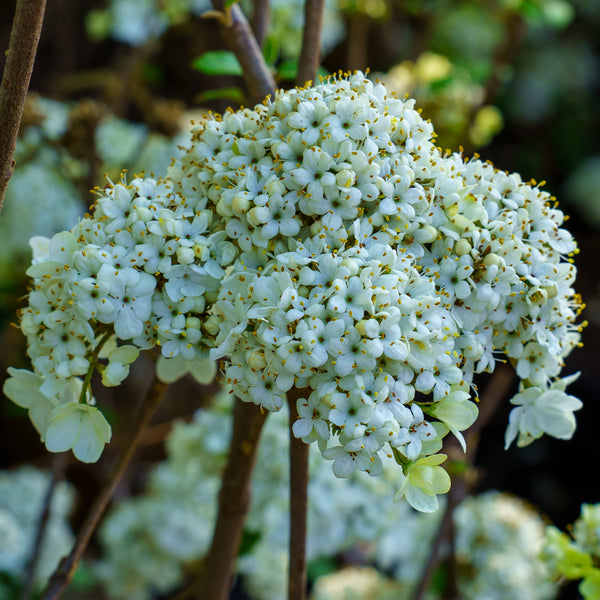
540	411
423	480
79	427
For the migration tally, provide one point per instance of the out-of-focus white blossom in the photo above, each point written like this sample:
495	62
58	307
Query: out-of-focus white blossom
498	538
22	494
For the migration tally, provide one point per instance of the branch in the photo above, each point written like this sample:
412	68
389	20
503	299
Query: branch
234	502
24	38
310	55
241	41
64	573
260	20
58	467
298	504
496	390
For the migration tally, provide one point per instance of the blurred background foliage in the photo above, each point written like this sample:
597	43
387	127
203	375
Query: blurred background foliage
117	83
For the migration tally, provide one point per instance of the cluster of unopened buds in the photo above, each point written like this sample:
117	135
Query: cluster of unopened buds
320	242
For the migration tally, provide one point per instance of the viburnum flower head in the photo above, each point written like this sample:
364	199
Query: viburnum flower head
321	242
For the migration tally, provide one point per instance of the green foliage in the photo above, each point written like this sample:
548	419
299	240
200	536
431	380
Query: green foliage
217	62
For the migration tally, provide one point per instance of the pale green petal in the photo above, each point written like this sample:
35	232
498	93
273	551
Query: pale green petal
203	370
95	433
421	501
64	428
22	387
124	354
169	370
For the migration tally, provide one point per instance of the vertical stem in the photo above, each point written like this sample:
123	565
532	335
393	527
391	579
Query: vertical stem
298	504
260	20
58	467
358	44
241	41
234	502
64	573
24	38
310	56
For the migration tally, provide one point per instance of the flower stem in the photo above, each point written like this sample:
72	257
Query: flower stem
241	41
310	54
234	502
24	38
93	361
64	573
298	504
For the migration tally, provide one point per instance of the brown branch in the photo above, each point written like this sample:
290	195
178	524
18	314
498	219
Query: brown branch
358	41
496	390
64	573
24	38
234	502
310	55
298	504
260	20
59	464
241	41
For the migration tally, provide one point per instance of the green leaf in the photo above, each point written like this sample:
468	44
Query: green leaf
270	50
249	540
288	69
217	62
233	94
230	3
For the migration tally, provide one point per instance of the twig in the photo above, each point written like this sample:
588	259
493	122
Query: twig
59	464
64	573
234	502
497	389
298	504
260	20
24	38
310	54
358	45
241	41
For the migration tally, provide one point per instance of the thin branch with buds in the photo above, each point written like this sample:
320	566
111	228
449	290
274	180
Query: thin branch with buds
24	38
66	569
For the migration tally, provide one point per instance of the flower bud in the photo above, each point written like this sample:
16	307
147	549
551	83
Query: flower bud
345	178
185	256
240	204
255	359
258	215
462	247
193	323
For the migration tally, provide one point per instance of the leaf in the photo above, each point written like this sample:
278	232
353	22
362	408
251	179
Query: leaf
230	3
234	94
217	62
288	69
270	50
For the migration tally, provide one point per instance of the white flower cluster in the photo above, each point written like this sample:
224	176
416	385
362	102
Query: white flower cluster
319	242
22	494
148	539
497	545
